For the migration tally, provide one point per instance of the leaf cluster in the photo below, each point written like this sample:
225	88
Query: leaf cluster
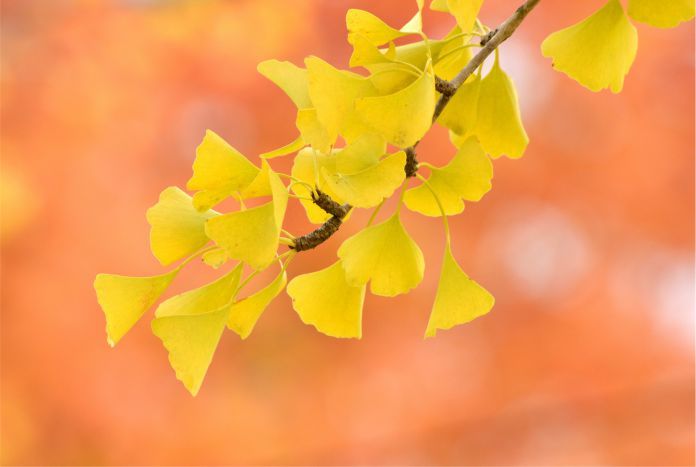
355	148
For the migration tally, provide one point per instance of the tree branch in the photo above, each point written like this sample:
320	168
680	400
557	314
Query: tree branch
502	33
447	89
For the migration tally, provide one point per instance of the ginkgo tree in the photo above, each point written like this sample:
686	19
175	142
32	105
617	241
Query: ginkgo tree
356	147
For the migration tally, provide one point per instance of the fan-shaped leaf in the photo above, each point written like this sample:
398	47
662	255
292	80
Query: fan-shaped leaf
661	13
498	123
458	299
218	171
177	229
290	78
597	52
125	299
245	313
467	176
325	300
190	326
385	255
370	186
404	117
252	235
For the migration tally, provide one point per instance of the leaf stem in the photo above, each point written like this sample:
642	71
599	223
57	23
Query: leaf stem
375	211
439	205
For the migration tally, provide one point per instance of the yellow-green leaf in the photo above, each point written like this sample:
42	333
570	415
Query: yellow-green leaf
384	254
215	257
361	154
392	72
290	78
333	93
498	124
325	300
465	12
415	24
245	313
204	299
458	299
252	235
403	117
461	111
452	56
374	29
467	176
661	13
456	139
370	186
364	51
597	52
190	326
218	171
177	229
313	132
125	299
191	341
289	148
260	185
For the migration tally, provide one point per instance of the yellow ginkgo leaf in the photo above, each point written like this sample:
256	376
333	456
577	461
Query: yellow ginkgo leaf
418	53
333	93
452	56
597	52
370	186
384	254
303	170
313	132
403	117
177	229
125	299
245	313
456	139
415	24
374	29
215	257
467	176
190	326
325	300
458	299
252	235
290	78
218	171
498	123
204	299
191	341
394	73
461	111
260	185
390	77
289	148
661	13
465	12
365	52
361	154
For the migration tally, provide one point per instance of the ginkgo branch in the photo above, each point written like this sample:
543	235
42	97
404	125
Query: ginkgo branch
500	35
489	43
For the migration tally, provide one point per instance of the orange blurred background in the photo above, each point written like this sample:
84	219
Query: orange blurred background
587	244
